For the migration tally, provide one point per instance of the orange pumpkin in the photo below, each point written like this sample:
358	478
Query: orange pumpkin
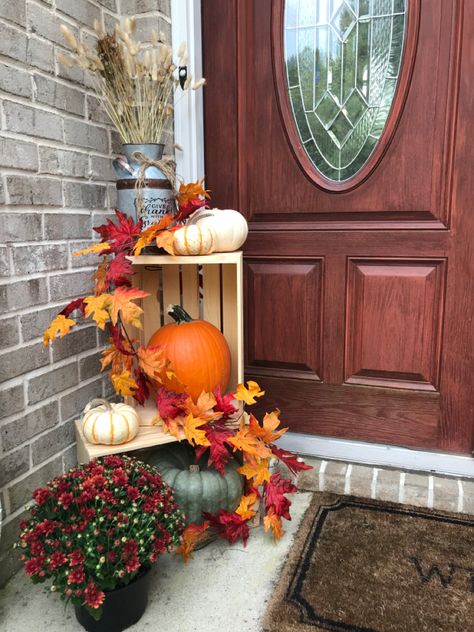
198	352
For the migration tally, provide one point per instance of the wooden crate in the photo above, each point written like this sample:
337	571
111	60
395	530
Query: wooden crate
208	287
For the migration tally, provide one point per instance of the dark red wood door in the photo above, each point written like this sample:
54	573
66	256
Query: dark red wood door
359	294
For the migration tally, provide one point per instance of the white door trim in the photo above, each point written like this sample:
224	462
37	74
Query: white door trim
378	454
188	106
189	134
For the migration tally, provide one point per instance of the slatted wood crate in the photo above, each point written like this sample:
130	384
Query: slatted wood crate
208	287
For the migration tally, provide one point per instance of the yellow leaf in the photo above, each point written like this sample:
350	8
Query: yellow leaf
273	522
99	308
256	470
165	240
60	326
122	303
271	421
244	509
203	407
248	394
124	384
90	249
152	362
192	432
245	441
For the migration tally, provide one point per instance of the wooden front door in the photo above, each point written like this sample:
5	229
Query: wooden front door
359	286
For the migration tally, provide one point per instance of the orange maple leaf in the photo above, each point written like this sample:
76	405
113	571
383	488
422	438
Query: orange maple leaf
249	393
149	234
124	384
119	361
60	326
192	432
121	302
100	277
99	308
244	440
152	362
271	421
191	191
203	407
273	522
98	248
257	470
192	536
244	510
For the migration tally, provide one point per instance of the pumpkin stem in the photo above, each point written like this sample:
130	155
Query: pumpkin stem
179	314
98	402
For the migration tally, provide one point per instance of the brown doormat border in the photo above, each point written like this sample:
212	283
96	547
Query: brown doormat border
289	586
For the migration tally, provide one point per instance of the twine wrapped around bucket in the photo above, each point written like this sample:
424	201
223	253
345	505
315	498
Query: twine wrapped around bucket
166	165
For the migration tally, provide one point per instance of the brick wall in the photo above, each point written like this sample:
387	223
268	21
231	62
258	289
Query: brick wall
56	183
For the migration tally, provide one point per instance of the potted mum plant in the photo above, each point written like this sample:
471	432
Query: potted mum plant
95	532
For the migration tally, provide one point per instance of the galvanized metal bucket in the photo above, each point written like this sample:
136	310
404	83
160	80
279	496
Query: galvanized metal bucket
156	198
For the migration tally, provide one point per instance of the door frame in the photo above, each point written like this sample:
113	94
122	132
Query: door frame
189	134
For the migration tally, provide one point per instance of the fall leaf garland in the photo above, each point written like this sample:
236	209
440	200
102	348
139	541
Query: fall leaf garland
215	424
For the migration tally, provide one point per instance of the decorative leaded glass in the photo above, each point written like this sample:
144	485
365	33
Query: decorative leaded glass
342	65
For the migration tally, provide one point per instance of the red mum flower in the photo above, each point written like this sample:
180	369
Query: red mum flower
34	566
119	477
41	495
57	559
65	499
76	576
94	597
76	558
132	565
113	461
36	548
133	493
112	555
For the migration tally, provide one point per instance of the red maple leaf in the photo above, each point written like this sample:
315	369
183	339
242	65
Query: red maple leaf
219	455
77	303
119	267
224	403
228	525
290	460
142	393
120	236
170	404
275	498
185	210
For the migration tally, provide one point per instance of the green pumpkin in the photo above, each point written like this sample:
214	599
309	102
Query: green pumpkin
197	486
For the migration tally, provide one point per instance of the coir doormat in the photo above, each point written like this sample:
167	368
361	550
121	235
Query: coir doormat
367	566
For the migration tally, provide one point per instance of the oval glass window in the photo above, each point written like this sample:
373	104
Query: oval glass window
342	61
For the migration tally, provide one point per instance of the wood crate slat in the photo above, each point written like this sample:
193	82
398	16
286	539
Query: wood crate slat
232	326
151	305
171	289
212	294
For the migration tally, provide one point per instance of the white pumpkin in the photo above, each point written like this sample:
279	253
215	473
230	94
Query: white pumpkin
230	227
109	424
194	240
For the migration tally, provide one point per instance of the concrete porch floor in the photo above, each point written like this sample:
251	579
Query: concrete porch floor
225	588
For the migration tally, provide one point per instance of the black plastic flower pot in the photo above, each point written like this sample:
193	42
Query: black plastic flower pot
121	609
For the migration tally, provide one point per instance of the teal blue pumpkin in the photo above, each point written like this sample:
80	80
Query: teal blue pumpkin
197	487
